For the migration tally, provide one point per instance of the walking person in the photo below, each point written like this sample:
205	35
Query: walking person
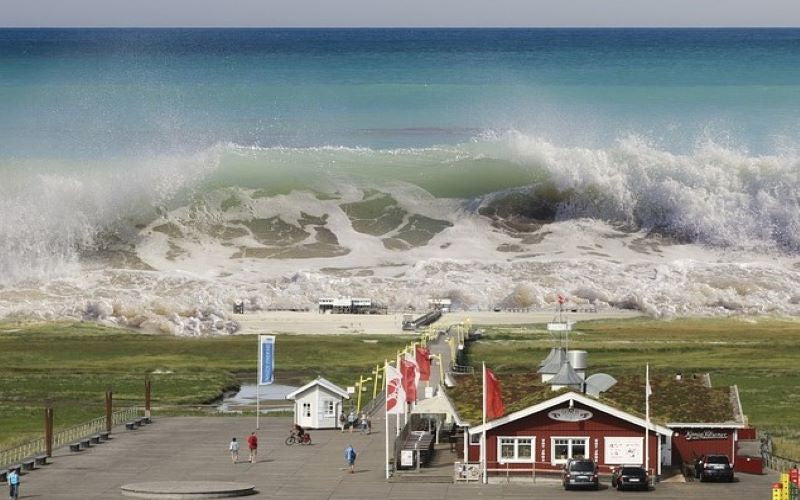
13	485
351	420
252	445
342	420
350	456
234	449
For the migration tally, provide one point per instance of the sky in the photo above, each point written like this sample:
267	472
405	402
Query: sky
398	13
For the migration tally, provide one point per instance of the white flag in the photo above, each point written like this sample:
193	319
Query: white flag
395	394
648	391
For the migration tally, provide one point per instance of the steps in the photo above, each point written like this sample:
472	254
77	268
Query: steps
439	470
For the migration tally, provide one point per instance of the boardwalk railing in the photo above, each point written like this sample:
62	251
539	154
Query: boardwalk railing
15	454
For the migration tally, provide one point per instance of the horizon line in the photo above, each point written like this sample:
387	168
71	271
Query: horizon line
407	27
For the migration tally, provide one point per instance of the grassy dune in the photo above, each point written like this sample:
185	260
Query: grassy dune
73	364
760	356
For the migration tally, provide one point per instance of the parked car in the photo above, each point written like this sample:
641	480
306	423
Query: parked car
717	467
630	477
580	473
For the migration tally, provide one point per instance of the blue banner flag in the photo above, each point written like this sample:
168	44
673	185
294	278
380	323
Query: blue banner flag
266	359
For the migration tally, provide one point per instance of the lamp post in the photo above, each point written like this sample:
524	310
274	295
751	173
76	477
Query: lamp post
378	374
360	387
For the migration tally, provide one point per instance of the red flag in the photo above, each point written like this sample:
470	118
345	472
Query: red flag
562	298
394	391
494	398
424	363
409	379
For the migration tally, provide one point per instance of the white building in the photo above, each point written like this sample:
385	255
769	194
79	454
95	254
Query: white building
317	404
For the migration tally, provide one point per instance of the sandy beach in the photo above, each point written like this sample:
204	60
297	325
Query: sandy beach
389	324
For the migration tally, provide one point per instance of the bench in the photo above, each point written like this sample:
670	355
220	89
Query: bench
28	464
95	439
3	476
74	447
40	459
146	420
138	422
130	425
105	436
86	443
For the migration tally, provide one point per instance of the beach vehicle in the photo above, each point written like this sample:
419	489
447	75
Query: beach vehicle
580	473
716	467
630	477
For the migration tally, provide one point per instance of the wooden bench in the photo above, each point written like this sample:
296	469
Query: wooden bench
95	439
105	436
146	420
40	459
86	443
130	425
74	447
138	422
28	464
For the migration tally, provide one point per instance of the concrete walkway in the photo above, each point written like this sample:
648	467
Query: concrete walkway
195	449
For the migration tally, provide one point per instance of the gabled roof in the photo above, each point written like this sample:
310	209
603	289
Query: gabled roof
327	384
565	398
440	403
566	376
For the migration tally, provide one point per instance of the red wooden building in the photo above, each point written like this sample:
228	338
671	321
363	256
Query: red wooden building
573	425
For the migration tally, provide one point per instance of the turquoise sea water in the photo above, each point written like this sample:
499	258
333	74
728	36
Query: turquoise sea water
102	92
247	154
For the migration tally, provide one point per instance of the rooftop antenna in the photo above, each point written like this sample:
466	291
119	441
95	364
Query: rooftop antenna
559	328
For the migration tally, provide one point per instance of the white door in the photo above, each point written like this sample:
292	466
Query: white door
666	451
306	412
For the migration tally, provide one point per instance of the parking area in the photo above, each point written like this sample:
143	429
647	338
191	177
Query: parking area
195	449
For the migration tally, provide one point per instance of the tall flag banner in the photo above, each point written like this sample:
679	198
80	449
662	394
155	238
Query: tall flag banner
411	357
395	394
408	371
423	363
266	359
494	397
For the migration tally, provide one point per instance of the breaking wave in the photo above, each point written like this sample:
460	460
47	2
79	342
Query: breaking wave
502	205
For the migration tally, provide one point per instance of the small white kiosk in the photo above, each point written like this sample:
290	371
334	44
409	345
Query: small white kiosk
317	404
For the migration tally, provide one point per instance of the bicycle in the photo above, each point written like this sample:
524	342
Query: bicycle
294	438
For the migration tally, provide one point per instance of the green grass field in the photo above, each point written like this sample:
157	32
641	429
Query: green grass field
74	363
760	356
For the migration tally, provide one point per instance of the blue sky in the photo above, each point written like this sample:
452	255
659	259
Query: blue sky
341	13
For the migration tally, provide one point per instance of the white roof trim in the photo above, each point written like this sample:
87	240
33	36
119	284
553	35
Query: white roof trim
707	425
564	398
327	384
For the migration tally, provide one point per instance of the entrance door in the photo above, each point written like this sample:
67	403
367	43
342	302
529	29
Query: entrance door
306	411
666	451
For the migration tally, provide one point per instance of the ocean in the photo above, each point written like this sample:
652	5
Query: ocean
150	177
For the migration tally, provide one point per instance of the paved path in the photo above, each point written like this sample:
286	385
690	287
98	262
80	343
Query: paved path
195	449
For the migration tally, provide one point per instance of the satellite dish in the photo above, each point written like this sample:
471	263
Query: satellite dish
599	382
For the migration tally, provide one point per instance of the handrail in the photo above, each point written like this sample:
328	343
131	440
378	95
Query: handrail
17	453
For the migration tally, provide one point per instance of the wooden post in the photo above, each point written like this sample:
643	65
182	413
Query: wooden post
109	397
48	428
147	387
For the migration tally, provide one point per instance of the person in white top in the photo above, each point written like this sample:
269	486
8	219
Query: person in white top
234	448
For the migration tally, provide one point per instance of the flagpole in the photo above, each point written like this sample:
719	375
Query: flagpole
386	417
483	436
647	420
258	384
403	402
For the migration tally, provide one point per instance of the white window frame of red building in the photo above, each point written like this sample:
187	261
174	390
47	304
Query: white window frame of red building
516	459
571	440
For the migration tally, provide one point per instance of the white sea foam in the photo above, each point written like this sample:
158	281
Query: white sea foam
729	224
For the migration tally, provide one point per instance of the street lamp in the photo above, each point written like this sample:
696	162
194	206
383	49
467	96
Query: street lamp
360	388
